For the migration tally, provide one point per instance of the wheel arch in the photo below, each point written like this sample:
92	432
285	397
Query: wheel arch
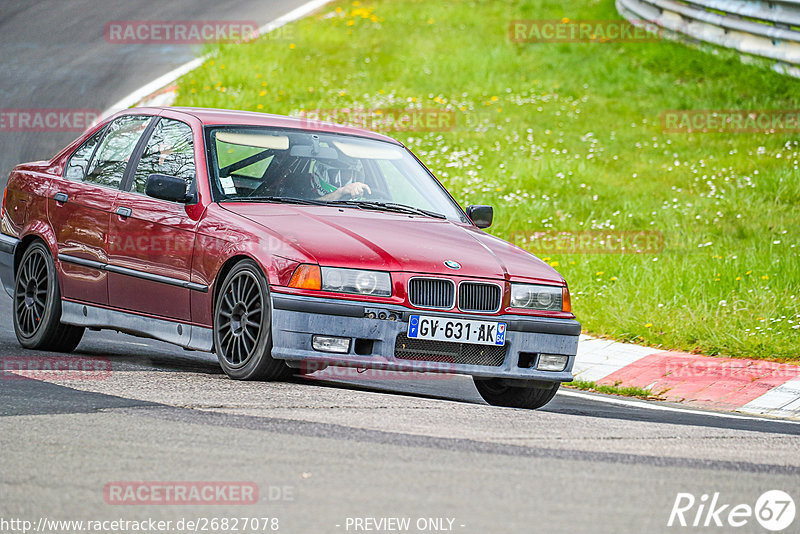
223	272
24	244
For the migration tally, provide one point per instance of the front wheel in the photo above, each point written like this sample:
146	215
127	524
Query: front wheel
243	326
37	304
498	393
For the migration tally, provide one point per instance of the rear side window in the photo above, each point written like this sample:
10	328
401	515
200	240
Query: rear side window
170	151
79	161
115	150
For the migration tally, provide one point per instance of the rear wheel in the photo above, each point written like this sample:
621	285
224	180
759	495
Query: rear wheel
497	393
243	326
37	304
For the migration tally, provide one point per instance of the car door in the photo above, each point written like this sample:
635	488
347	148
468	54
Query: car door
80	204
151	240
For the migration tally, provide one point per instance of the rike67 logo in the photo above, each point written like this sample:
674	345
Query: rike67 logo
774	510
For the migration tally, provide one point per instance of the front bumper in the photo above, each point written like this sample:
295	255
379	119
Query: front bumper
296	319
8	246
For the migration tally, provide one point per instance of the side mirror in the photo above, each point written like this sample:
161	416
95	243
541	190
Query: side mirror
166	187
481	216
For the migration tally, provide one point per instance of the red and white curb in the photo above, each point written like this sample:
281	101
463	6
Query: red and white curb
730	384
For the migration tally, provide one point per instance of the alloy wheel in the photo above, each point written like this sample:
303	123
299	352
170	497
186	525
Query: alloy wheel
239	318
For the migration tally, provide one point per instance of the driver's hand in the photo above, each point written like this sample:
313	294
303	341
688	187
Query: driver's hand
351	190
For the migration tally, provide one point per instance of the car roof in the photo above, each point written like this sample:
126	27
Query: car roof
230	117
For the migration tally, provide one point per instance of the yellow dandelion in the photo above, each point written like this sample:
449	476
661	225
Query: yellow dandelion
222	66
648	325
356	3
350	22
613	278
338	9
599	273
748	272
430	21
765	277
263	84
565	20
494	99
554	264
738	278
291	45
258	75
373	18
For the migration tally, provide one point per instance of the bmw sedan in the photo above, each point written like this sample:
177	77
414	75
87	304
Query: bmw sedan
282	246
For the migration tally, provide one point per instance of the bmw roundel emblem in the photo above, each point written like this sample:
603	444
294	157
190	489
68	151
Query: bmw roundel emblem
452	264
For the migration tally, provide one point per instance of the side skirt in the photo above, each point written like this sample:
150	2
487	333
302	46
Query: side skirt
184	335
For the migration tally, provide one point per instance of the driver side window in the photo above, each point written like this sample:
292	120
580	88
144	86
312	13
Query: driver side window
170	151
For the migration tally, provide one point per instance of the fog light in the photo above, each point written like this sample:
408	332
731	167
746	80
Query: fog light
552	362
340	345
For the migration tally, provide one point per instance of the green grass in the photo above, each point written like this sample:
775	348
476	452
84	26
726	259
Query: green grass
566	137
616	389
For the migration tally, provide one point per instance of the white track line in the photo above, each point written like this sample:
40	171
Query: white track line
648	405
140	93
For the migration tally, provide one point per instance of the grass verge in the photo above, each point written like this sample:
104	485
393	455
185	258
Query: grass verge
616	389
565	137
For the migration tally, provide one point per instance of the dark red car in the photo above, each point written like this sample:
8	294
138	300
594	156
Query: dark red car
282	246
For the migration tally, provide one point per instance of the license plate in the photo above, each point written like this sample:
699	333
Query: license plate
457	330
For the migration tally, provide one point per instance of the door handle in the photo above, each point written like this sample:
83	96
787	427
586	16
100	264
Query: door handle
61	197
124	212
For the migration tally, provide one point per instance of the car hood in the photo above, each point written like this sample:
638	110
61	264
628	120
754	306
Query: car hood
345	237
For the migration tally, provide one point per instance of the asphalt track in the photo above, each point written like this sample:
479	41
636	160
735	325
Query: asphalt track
324	453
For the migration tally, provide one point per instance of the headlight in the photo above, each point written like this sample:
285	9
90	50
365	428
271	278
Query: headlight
356	281
534	297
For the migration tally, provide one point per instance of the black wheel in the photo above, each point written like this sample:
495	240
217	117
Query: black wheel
37	304
243	326
498	393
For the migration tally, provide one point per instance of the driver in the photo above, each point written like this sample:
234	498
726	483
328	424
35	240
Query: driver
330	183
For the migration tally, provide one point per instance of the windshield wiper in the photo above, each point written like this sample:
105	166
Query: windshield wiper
282	200
390	206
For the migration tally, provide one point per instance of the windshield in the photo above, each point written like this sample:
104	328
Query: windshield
261	164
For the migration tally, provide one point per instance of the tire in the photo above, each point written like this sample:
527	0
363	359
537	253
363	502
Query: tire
243	326
497	393
37	304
